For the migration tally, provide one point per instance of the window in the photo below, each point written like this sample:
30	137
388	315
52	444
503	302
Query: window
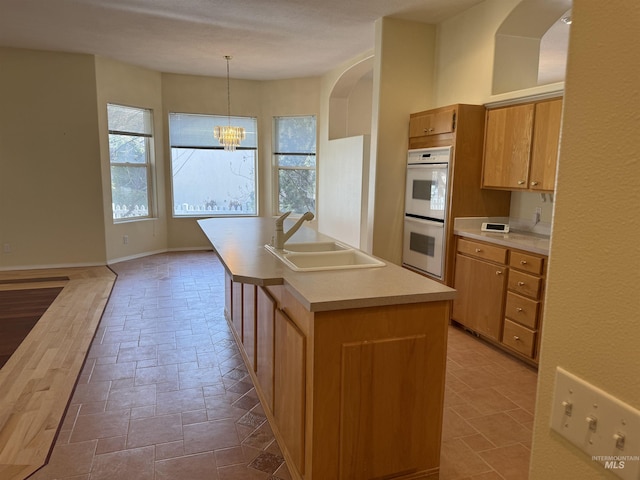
207	180
294	154
130	135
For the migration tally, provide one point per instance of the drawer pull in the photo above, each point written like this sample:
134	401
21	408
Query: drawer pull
521	284
516	338
498	272
519	309
478	250
533	184
523	262
520	182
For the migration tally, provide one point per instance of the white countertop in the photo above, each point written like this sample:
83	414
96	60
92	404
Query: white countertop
239	242
527	241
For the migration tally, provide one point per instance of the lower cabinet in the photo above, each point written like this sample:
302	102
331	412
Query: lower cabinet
500	295
479	304
350	394
290	370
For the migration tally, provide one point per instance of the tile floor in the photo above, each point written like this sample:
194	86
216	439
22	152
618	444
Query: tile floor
164	393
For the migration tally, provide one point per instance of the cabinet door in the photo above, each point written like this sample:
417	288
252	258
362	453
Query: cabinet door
479	304
249	322
507	147
236	307
432	123
289	386
264	356
544	154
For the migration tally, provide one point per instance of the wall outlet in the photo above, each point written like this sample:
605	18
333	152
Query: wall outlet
537	215
125	239
599	424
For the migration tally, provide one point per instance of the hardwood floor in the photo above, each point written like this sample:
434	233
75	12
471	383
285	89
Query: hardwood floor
37	380
20	310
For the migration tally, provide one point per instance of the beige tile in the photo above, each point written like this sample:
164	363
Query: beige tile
102	425
512	462
68	460
500	429
154	430
135	463
458	461
193	467
487	400
213	435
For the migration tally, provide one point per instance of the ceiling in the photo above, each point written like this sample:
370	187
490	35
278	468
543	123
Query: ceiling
268	39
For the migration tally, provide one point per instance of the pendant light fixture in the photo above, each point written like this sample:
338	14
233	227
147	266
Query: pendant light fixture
229	136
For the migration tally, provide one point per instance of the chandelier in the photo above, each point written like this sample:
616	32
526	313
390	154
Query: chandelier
229	136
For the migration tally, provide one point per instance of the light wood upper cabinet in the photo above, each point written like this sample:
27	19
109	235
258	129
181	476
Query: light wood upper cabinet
546	137
521	146
507	147
432	122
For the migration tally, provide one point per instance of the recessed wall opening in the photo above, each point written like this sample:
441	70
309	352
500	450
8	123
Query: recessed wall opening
531	46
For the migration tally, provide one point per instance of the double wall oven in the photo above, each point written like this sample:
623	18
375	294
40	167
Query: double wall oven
425	217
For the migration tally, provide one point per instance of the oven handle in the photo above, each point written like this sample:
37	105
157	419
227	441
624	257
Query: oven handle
434	222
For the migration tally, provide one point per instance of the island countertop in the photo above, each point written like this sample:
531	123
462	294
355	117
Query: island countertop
239	243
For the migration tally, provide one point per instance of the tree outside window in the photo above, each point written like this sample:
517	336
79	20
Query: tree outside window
130	135
294	154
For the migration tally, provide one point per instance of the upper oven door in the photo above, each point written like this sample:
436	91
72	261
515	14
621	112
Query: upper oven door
426	191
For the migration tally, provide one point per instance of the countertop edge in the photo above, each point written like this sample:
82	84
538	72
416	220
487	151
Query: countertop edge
263	269
505	242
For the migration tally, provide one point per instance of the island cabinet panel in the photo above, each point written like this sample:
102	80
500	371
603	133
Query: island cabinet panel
290	384
266	310
249	293
378	385
236	307
350	394
373	388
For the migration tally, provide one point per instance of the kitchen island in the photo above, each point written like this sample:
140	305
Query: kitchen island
349	365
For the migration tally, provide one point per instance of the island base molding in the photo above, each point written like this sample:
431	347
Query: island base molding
351	394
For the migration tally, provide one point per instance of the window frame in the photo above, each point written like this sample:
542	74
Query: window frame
148	164
214	145
277	167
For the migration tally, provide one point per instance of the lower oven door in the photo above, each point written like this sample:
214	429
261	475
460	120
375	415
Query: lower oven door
423	246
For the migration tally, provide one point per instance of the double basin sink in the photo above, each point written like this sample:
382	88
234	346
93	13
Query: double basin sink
329	255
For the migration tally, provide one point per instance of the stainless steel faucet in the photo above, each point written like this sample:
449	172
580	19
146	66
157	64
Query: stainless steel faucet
281	236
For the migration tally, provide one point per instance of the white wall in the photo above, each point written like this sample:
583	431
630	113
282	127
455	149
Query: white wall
50	181
591	315
403	83
124	84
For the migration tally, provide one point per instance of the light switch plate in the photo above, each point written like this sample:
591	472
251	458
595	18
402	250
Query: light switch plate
598	424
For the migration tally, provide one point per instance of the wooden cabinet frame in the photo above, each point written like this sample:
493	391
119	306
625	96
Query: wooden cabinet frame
357	393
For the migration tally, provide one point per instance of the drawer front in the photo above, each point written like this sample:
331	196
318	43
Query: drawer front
520	338
527	262
524	284
482	250
522	310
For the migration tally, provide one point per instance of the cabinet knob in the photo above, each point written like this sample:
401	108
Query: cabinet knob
516	338
523	262
533	184
478	250
521	284
521	182
519	309
498	272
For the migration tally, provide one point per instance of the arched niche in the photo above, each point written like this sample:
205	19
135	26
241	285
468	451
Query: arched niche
531	46
350	101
